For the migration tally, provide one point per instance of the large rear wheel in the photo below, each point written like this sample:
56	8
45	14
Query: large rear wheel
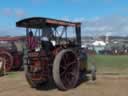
66	69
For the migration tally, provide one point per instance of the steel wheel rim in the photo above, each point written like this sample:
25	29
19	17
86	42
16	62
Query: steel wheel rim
68	69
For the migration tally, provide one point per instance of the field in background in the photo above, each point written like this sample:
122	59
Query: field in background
110	64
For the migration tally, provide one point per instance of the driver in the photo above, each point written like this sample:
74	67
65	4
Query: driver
46	44
31	41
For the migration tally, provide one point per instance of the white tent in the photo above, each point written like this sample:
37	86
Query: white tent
99	43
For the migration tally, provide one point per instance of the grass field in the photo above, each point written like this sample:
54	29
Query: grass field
110	64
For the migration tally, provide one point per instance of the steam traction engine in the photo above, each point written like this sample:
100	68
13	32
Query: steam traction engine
52	53
10	57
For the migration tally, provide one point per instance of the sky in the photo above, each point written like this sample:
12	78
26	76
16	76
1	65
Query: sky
98	17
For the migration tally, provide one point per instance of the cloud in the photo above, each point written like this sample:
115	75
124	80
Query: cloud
116	25
7	11
65	18
97	26
80	19
17	12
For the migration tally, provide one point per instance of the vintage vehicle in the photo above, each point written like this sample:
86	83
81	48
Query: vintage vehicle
11	58
53	53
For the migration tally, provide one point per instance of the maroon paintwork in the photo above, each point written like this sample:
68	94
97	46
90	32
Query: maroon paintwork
10	53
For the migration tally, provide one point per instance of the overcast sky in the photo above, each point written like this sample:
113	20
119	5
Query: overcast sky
98	17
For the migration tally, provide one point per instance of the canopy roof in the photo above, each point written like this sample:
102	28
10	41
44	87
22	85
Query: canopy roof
40	22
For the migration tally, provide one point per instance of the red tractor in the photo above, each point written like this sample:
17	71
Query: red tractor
11	58
53	53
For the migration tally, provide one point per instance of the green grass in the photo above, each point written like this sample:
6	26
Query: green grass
110	64
12	74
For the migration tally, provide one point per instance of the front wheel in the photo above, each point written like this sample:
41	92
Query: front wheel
29	76
66	69
30	81
93	72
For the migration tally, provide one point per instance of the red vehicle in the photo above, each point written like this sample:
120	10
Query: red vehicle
12	59
53	53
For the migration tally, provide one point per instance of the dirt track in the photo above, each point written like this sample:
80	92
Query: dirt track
104	86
